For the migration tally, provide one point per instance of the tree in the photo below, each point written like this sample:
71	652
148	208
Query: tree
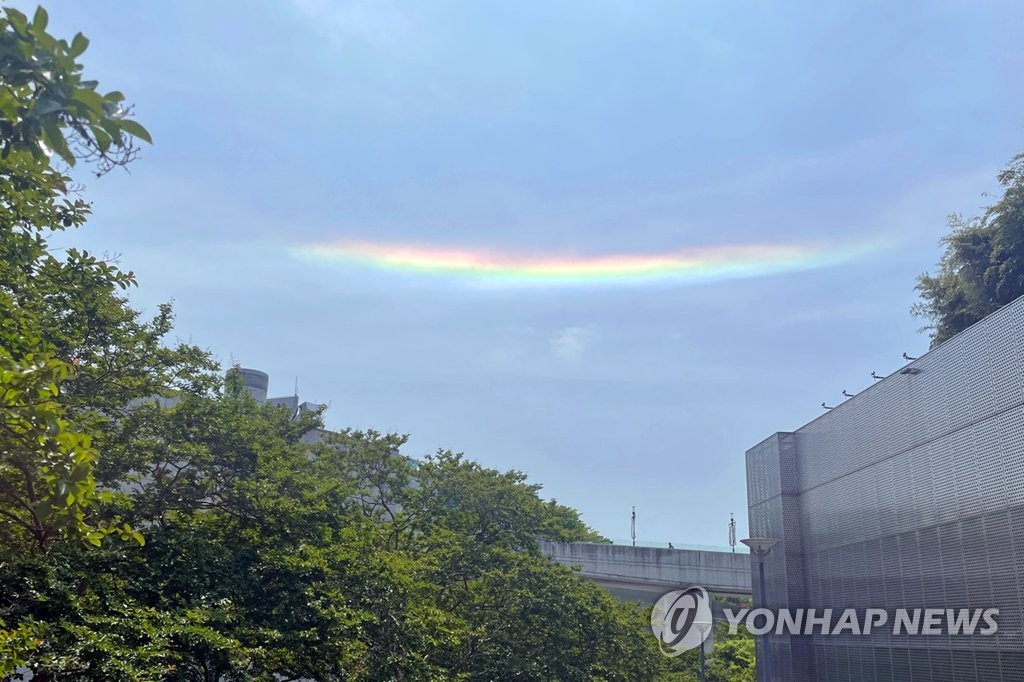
47	107
46	481
48	113
265	556
734	659
61	316
983	265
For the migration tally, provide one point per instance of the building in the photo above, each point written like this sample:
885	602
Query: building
908	495
257	382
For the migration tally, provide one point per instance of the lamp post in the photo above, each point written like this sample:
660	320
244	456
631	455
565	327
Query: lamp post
760	547
703	627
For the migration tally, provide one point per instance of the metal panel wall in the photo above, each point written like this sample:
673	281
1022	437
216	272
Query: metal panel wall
909	495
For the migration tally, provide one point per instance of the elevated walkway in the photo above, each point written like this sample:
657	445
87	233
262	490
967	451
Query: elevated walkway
645	573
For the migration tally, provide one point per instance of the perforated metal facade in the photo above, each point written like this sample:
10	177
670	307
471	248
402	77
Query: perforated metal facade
908	495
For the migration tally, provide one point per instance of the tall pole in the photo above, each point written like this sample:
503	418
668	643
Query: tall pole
704	635
760	570
760	548
632	526
764	598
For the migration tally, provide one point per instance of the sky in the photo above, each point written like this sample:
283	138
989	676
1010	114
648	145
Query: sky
610	244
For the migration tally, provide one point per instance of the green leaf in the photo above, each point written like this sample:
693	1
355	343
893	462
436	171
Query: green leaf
102	138
47	106
54	139
78	45
90	98
135	129
19	22
113	129
41	18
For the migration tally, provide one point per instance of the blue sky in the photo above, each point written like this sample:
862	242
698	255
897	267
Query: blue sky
554	128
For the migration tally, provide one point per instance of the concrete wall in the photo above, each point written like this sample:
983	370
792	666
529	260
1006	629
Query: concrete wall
645	573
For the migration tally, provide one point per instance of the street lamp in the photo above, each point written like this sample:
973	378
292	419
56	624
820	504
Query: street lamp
760	547
703	626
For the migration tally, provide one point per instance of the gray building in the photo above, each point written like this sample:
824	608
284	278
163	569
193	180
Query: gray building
908	495
257	382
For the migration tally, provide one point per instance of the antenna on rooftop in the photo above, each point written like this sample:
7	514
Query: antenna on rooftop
632	526
296	394
732	533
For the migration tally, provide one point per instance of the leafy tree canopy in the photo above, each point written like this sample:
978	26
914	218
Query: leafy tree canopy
49	305
983	266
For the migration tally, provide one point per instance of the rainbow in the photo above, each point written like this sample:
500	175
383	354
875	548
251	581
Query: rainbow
683	266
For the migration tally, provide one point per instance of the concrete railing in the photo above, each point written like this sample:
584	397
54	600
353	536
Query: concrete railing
644	573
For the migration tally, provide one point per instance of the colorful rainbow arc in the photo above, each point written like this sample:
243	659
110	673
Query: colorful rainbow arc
688	265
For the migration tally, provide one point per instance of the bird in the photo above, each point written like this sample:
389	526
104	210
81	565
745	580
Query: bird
827	407
847	395
907	357
876	376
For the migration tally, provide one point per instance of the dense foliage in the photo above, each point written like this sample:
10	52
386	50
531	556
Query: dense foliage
265	554
983	266
156	523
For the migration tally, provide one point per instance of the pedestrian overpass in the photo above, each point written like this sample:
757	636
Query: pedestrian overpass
645	573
